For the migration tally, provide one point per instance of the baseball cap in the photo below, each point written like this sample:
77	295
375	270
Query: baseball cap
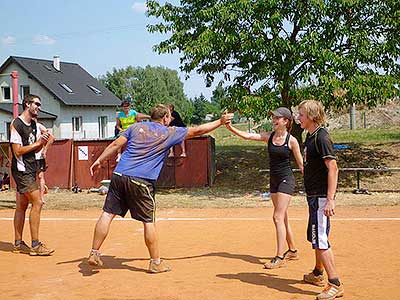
282	112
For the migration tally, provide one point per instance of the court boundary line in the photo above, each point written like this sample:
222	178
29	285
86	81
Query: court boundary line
206	219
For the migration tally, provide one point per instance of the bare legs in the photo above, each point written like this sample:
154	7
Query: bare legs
284	232
102	228
183	154
34	216
324	259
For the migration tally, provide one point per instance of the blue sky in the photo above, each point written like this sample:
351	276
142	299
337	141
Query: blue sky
97	34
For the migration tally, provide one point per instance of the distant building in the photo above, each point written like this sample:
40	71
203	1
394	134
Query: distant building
75	105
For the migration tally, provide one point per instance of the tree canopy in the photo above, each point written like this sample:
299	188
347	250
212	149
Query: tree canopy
146	87
279	52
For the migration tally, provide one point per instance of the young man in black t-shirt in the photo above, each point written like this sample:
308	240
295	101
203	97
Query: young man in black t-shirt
320	181
24	144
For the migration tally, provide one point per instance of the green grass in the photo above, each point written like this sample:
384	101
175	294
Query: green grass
224	138
369	135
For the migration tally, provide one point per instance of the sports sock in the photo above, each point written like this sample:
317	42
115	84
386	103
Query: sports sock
18	242
157	261
317	272
334	281
35	243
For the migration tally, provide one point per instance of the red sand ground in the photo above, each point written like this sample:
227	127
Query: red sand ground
211	259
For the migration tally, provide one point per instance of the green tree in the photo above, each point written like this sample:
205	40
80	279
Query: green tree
279	52
146	87
200	105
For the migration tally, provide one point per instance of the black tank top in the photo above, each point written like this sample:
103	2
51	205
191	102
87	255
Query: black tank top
28	136
279	157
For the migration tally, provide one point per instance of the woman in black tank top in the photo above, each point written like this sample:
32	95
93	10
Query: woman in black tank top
280	145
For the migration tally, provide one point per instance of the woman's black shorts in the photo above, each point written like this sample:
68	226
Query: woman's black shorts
285	184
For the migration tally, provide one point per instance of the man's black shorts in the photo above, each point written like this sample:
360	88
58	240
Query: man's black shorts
41	165
133	194
26	182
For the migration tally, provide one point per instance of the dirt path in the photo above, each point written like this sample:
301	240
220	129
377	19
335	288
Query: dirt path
214	253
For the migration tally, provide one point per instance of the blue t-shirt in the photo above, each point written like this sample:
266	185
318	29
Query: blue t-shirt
147	148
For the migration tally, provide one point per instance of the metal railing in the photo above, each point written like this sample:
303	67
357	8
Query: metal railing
358	172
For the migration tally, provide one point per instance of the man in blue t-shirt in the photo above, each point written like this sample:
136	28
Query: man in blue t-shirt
132	183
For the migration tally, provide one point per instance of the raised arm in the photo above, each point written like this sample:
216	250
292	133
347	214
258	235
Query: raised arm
108	152
294	146
261	137
207	127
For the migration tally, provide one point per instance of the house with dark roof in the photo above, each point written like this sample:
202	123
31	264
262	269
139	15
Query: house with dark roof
74	103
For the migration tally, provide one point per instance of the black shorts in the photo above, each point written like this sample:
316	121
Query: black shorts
278	184
26	182
134	194
319	225
41	165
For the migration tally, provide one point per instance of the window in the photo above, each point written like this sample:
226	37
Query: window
24	90
77	124
103	127
95	90
6	91
66	87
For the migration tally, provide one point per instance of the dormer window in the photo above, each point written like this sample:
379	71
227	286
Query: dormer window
95	90
66	87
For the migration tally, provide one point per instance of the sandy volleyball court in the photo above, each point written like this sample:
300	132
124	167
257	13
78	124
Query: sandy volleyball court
214	253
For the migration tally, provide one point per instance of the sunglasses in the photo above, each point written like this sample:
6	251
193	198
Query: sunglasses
38	104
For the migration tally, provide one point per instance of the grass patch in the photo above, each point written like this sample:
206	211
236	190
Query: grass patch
369	135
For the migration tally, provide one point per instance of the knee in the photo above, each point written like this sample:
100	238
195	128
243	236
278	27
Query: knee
278	218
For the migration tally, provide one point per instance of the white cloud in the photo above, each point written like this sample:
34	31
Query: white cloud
8	40
43	40
139	7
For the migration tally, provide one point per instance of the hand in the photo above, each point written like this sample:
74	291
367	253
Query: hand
226	117
228	125
94	167
329	209
44	138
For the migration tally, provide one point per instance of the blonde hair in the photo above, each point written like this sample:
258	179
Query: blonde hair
314	111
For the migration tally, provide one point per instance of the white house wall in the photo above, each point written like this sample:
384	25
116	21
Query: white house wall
90	121
62	126
4	118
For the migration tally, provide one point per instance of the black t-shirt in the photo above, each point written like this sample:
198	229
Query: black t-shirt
177	121
317	147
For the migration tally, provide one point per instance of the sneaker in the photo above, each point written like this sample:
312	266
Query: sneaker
315	280
331	292
94	259
160	268
21	248
291	255
41	250
275	263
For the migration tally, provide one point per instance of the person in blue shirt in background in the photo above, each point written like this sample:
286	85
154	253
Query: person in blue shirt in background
132	183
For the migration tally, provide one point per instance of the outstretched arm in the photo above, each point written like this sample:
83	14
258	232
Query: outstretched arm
207	127
261	137
109	151
140	117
